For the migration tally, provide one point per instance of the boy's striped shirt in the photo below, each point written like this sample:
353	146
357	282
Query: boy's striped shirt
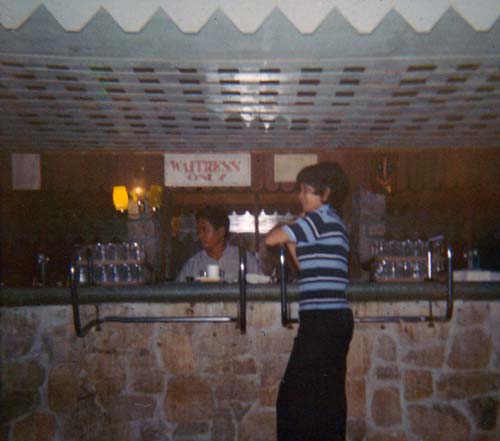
323	255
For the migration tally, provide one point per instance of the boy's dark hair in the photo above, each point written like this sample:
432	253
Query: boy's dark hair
326	175
216	216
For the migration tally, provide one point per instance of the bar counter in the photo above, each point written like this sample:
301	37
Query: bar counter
217	292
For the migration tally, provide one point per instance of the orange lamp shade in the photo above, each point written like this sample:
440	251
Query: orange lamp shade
120	197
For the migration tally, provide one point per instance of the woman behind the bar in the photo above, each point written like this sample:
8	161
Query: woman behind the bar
312	404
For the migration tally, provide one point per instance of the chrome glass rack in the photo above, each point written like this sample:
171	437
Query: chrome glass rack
287	320
82	331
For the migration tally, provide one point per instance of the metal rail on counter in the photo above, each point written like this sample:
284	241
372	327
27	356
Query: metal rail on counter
82	331
287	320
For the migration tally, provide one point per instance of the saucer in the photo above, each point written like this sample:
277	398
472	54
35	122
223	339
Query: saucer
207	279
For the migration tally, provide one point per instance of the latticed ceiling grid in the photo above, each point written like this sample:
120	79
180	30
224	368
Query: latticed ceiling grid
90	103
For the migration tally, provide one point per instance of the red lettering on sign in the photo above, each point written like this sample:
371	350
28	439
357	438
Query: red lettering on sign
203	169
187	166
174	165
215	166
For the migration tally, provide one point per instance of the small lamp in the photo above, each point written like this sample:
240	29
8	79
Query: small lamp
120	198
155	196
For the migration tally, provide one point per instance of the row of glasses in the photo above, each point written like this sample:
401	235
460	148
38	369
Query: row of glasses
117	251
389	269
111	263
123	273
406	259
399	248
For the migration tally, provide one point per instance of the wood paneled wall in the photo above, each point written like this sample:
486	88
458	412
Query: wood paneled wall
450	190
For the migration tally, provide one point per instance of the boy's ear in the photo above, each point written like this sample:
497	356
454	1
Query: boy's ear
326	194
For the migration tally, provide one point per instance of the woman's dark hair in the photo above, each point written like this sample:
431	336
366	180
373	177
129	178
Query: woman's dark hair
216	216
326	175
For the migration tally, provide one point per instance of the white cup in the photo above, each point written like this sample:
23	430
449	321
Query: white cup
213	271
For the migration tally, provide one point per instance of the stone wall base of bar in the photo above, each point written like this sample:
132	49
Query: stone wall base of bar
206	381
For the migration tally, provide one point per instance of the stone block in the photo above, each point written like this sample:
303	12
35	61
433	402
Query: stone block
279	341
236	387
469	314
244	365
104	373
485	437
457	386
35	427
146	380
417	385
386	436
62	387
258	425
470	349
222	339
13	404
214	364
439	422
189	399
360	354
356	397
192	431
356	429
387	373
13	347
143	359
122	337
262	316
90	421
485	411
269	394
386	407
429	357
178	355
272	368
16	322
223	428
129	407
417	334
386	348
23	375
61	349
272	371
154	430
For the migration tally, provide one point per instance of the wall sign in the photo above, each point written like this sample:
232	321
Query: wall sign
208	170
26	174
287	167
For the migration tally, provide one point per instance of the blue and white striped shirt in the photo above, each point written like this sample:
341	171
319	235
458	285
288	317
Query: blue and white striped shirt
323	255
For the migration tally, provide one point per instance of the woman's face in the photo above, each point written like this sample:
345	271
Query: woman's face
208	236
308	199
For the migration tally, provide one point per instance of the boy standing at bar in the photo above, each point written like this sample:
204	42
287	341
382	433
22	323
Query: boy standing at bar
312	404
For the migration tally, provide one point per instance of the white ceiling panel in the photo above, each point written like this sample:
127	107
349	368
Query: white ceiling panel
163	89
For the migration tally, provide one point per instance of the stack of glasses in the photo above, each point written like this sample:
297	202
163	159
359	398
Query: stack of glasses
405	260
111	263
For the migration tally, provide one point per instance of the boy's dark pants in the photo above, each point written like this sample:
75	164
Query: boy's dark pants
312	404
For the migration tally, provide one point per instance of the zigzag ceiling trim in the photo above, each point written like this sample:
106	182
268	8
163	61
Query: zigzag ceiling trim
248	15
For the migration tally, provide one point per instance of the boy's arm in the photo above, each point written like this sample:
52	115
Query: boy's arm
291	250
276	237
